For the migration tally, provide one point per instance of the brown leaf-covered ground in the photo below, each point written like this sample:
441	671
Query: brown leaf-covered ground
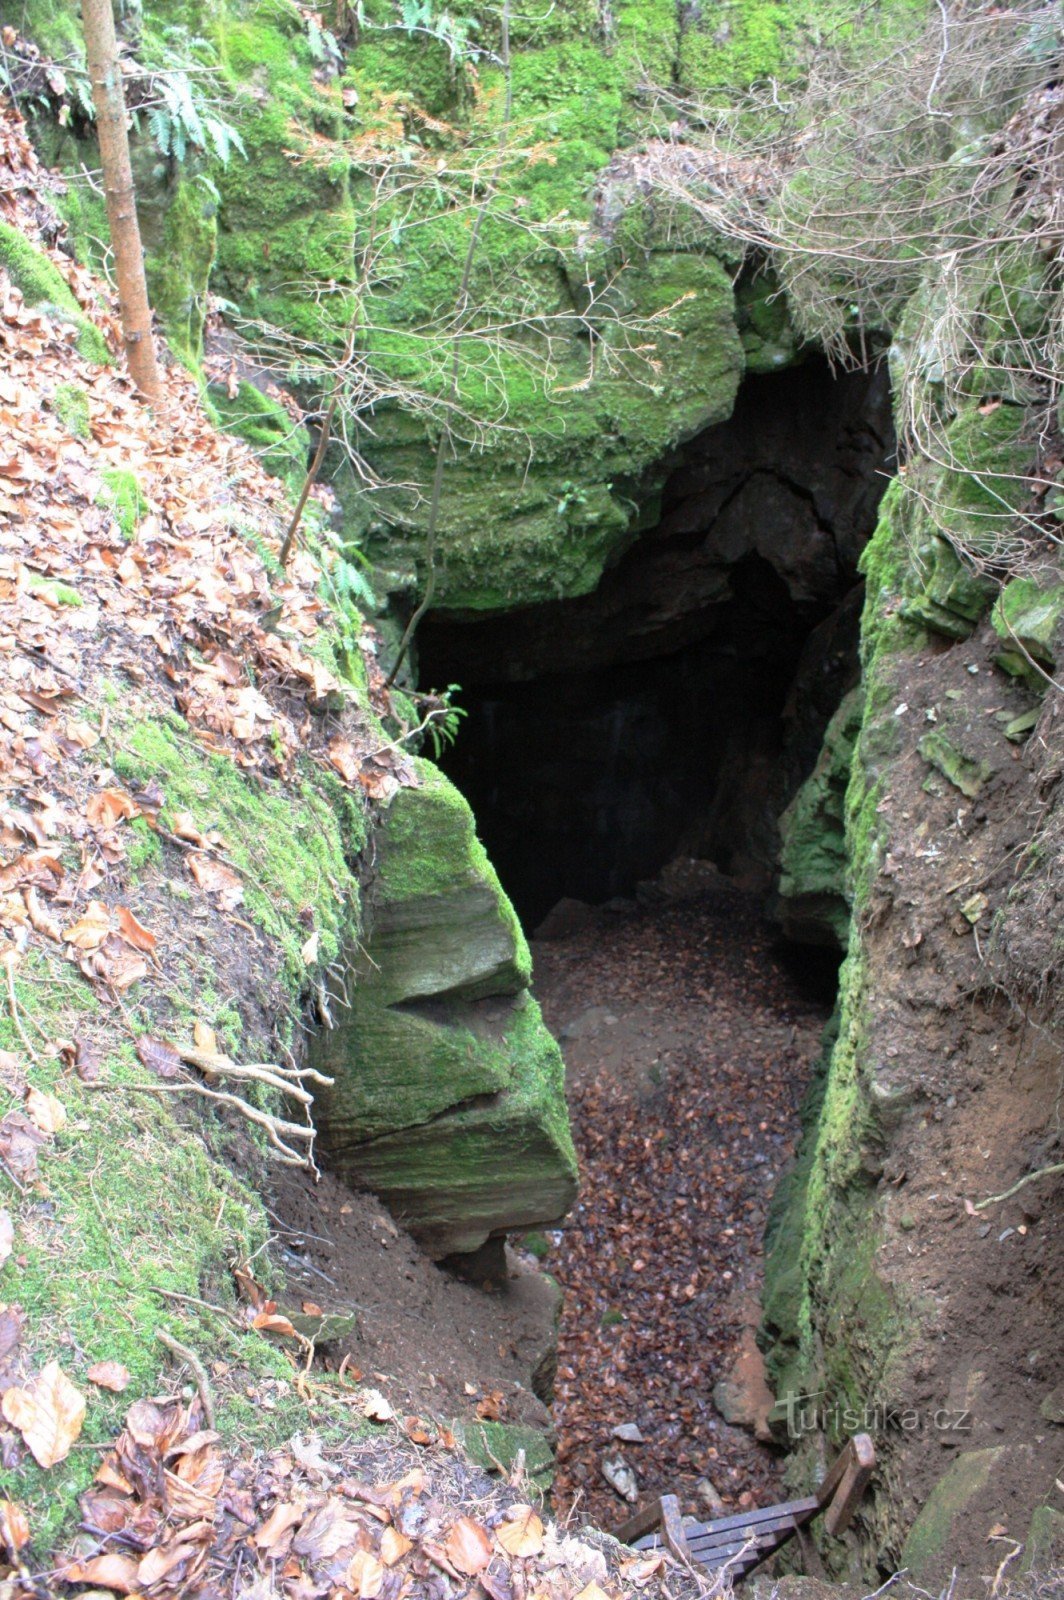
689	1044
173	1513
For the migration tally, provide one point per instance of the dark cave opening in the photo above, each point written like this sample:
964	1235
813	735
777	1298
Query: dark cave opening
677	709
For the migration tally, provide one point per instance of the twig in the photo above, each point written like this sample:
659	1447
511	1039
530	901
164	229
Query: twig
1032	1177
194	1300
6	1170
11	959
196	1367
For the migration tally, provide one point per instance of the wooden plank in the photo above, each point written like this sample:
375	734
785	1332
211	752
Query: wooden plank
779	1527
800	1509
853	1481
644	1521
673	1534
714	1544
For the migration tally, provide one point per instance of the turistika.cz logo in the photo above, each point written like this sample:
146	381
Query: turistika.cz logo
816	1413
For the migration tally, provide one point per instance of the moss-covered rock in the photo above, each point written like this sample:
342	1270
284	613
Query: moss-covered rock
495	1446
449	1098
946	1506
280	443
951	597
1028	617
41	283
813	896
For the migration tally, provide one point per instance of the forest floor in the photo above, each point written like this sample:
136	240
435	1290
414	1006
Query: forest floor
689	1044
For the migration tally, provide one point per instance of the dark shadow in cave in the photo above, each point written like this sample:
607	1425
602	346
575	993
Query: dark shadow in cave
677	709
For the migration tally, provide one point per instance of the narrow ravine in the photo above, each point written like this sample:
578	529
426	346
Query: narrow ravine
689	1041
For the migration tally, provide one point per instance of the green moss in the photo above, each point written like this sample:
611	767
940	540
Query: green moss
143	848
57	593
179	269
948	1501
495	1446
110	1226
122	494
41	283
281	444
965	773
1029	619
291	845
813	888
741	42
974	501
71	404
952	595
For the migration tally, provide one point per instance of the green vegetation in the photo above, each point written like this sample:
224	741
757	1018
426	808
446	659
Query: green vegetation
41	283
291	846
71	404
113	1228
280	444
122	494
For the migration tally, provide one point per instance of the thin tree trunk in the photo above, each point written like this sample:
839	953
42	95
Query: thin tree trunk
102	50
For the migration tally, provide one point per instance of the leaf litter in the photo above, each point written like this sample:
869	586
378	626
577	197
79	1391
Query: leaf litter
186	604
173	1512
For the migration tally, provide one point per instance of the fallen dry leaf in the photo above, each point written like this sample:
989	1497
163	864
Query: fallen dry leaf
592	1591
281	1520
7	1235
365	1575
159	1056
522	1532
109	1375
267	1321
218	879
643	1568
45	1110
394	1546
20	1139
376	1407
468	1547
205	1038
110	1571
134	932
417	1430
109	807
91	928
48	1412
14	1528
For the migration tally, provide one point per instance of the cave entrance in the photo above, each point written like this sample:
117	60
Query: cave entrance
676	710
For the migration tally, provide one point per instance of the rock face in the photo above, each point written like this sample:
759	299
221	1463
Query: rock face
814	904
449	1095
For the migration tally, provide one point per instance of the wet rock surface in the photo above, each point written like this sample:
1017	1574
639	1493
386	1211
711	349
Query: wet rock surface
688	1044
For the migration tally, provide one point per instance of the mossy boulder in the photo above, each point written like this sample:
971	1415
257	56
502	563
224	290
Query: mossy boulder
281	444
946	1507
952	595
1028	617
813	906
449	1097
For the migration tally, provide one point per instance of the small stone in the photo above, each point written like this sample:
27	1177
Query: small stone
620	1477
710	1498
1052	1407
629	1432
